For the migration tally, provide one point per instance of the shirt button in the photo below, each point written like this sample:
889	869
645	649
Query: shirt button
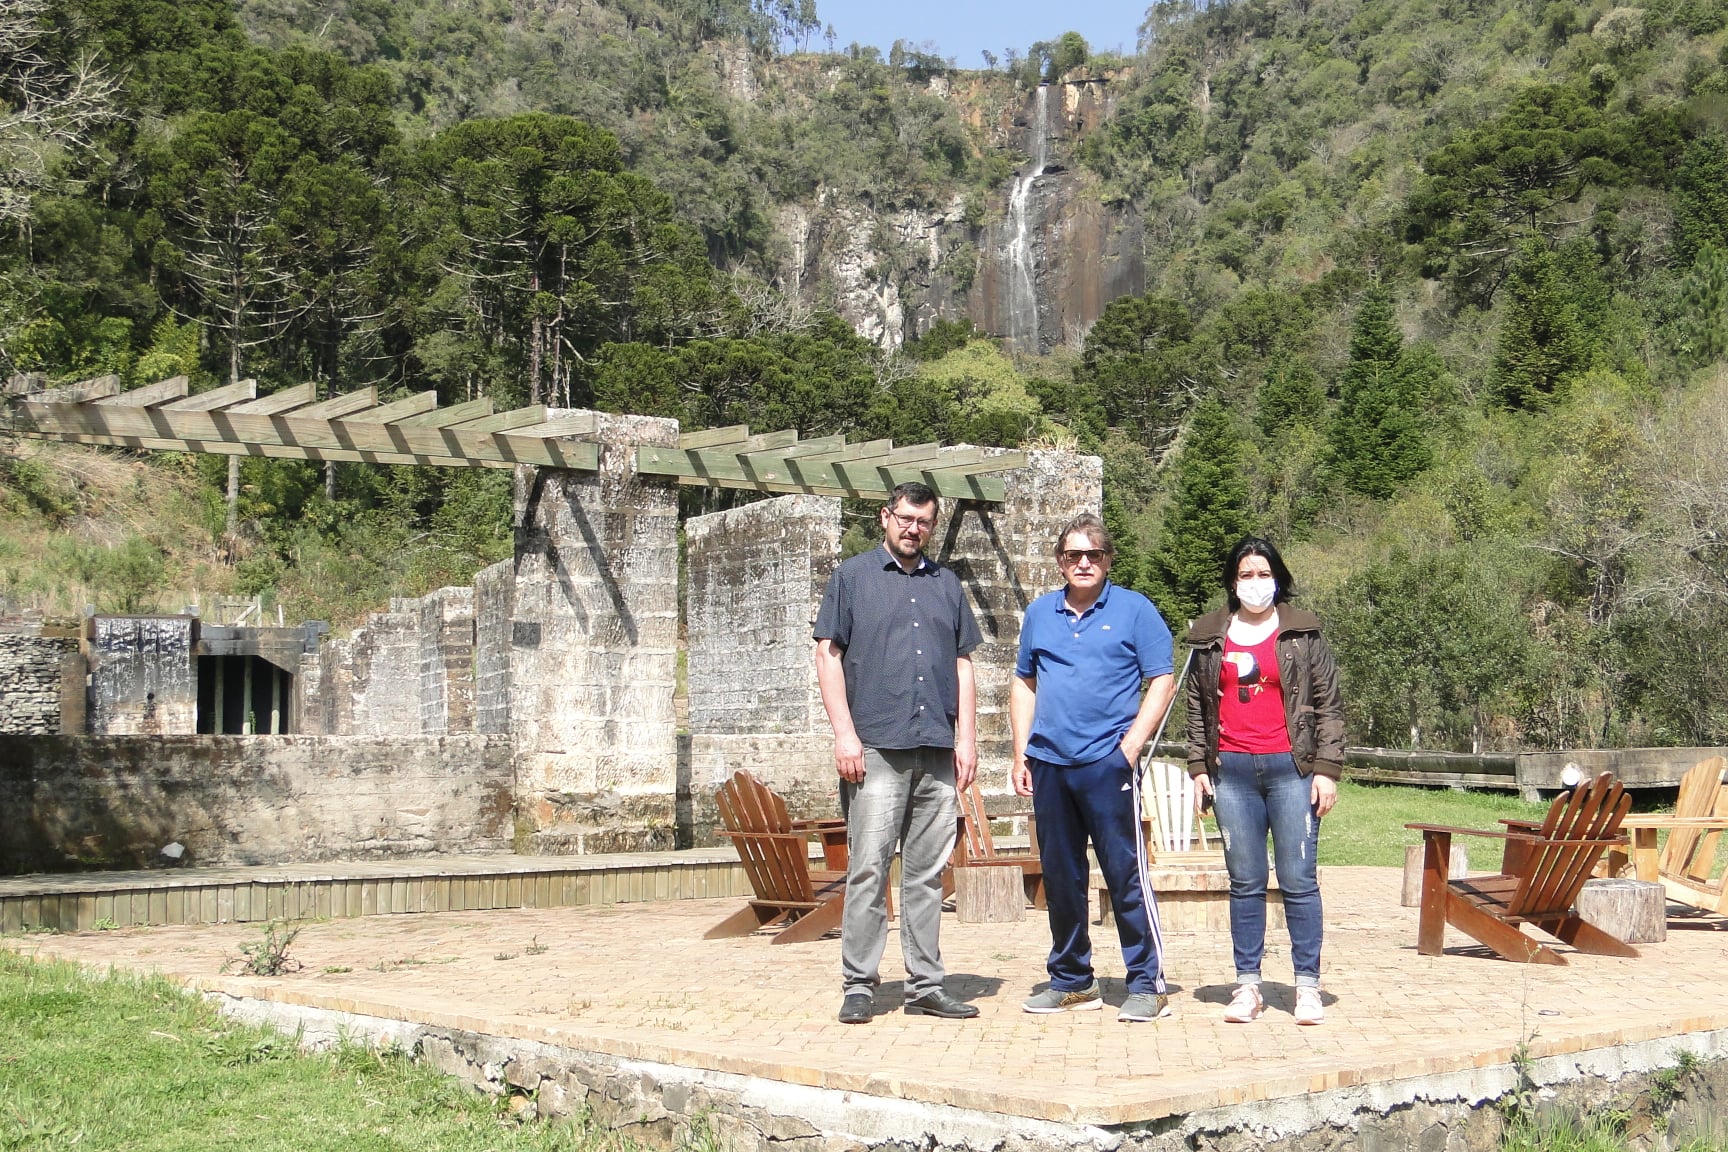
915	624
914	599
920	651
1076	635
920	679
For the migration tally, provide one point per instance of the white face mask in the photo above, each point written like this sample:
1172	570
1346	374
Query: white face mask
1258	593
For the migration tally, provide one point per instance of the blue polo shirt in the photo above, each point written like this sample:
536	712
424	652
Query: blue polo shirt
1089	669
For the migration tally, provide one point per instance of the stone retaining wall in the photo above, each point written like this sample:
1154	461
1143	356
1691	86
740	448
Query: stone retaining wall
1671	1091
81	802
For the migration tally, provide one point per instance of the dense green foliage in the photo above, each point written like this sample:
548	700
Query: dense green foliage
1438	296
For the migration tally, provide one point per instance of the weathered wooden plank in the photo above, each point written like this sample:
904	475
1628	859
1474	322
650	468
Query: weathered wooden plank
279	403
710	437
443	417
348	404
505	421
579	424
215	399
158	393
397	409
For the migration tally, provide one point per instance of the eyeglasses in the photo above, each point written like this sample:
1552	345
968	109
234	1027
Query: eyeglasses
1090	555
912	523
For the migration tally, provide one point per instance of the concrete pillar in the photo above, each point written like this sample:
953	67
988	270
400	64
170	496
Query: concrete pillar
756	575
446	642
1004	555
385	671
593	638
144	677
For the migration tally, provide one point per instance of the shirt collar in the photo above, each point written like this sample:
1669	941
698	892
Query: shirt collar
1103	598
890	562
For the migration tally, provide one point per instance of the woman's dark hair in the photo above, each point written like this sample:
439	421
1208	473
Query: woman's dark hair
1257	546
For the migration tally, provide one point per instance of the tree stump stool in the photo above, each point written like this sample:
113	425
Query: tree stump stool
1457	867
989	894
1632	911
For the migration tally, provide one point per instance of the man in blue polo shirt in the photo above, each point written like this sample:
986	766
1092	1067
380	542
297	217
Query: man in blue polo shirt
1080	720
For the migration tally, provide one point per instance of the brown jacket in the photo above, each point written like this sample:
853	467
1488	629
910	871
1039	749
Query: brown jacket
1313	708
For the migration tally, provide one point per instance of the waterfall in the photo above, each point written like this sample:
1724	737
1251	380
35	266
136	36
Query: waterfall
1022	287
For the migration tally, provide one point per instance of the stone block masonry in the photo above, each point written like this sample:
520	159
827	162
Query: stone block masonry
37	673
494	590
446	636
79	802
755	576
593	648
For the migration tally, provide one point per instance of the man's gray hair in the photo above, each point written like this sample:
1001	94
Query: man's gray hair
1093	527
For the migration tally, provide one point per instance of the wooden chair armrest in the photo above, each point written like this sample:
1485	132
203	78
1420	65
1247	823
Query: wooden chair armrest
1662	820
1490	833
795	837
818	824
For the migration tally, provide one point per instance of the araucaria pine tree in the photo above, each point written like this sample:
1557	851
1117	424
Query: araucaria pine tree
1209	515
1377	433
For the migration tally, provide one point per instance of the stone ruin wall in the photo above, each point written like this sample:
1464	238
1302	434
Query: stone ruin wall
39	673
568	652
756	576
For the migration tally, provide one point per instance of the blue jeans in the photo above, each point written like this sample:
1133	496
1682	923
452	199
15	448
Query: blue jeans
1074	803
1257	794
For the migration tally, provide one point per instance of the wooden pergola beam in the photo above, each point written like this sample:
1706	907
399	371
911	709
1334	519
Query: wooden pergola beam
158	393
215	399
278	403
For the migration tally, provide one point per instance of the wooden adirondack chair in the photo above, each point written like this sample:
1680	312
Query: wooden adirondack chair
1540	886
975	846
1694	828
777	860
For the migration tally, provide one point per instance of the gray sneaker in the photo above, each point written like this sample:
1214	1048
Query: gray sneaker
1056	1000
1144	1006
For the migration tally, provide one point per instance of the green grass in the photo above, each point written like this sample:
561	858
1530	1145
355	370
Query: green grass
1367	826
137	1064
1602	1135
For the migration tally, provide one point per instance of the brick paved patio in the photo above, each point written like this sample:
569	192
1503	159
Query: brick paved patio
638	982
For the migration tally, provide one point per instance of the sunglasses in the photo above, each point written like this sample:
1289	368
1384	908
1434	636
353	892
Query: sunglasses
1090	555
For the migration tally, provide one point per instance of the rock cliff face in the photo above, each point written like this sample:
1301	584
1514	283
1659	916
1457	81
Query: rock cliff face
1036	271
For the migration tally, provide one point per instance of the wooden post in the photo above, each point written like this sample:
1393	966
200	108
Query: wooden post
1412	895
988	894
1431	926
246	696
1631	911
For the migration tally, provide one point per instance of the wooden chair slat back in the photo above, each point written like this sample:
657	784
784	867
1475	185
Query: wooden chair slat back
1555	869
980	843
756	816
1691	852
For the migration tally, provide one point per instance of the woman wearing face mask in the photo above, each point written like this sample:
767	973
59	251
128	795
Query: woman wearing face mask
1266	744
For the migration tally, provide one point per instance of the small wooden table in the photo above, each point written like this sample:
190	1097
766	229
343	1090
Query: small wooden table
1642	829
832	833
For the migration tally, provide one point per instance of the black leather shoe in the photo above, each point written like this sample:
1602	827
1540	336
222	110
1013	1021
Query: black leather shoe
939	1003
857	1008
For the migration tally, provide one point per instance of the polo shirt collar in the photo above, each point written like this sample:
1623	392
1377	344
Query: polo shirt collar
891	562
1097	605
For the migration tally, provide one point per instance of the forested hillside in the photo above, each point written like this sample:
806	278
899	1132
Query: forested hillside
1438	297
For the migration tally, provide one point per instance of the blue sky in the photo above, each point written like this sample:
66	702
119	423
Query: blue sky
962	28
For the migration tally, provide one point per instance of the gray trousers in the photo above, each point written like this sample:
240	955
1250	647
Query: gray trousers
907	799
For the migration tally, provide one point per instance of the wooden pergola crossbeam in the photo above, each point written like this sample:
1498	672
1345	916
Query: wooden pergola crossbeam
278	403
350	404
825	466
158	393
293	425
216	399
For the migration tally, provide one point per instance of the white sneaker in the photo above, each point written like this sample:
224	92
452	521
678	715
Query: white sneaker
1309	1010
1245	1006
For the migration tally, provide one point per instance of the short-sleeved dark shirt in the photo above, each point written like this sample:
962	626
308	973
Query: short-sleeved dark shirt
902	634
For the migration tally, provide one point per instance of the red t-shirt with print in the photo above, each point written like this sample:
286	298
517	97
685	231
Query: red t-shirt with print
1251	709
